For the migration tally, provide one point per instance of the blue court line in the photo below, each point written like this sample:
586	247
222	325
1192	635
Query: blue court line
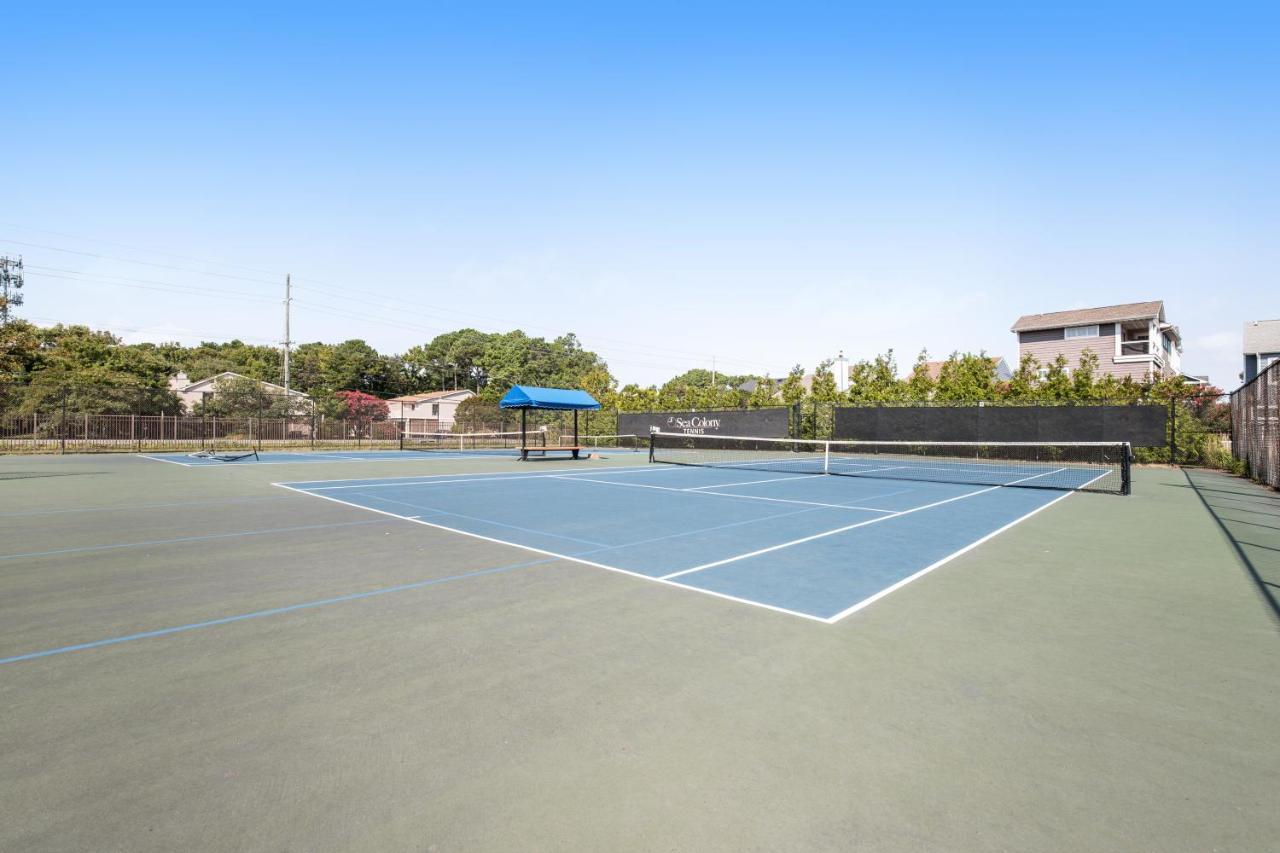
356	596
186	539
424	508
129	507
274	611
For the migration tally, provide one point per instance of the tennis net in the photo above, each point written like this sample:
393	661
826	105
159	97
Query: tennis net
1073	466
444	442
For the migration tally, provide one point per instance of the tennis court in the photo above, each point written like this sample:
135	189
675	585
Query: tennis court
464	651
807	545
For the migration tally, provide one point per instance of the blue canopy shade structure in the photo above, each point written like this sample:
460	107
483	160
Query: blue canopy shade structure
563	399
526	397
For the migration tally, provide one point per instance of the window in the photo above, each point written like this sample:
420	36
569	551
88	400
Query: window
1082	331
435	410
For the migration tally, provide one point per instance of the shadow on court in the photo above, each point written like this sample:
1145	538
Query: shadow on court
1241	509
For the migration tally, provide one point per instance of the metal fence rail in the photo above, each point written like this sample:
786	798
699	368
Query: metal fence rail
1255	426
81	432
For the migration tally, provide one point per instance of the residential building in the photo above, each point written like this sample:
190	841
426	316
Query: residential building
1261	346
433	411
1132	340
191	393
998	365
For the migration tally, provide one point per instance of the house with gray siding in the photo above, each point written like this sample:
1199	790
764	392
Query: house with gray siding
1132	340
1261	346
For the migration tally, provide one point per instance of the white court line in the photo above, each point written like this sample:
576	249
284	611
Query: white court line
831	620
567	557
690	491
843	529
749	483
170	461
471	477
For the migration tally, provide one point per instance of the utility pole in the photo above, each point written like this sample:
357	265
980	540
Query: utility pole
10	284
713	371
843	375
288	342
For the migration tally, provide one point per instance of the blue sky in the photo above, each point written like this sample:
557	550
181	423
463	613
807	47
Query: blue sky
761	184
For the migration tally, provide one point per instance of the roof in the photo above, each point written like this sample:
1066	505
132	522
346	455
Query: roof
531	397
229	374
1262	336
1086	316
934	368
430	395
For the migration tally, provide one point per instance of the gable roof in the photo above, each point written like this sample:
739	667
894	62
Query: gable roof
1262	336
230	374
1088	316
532	397
934	368
431	395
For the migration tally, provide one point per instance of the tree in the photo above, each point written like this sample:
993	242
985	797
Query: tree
241	396
1056	385
921	387
633	398
363	407
1022	385
967	378
824	389
476	414
765	393
1082	378
876	381
1207	405
19	348
602	386
793	386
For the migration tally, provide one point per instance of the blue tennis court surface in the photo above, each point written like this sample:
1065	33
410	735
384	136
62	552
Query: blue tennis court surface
815	546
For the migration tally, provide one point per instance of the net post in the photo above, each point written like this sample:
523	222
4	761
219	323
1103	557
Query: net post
1126	478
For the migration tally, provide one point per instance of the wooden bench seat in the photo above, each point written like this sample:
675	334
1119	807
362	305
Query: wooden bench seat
573	449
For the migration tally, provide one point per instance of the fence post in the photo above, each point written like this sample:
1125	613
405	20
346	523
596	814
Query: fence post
1173	429
137	411
62	424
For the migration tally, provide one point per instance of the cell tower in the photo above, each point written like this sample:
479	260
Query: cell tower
10	284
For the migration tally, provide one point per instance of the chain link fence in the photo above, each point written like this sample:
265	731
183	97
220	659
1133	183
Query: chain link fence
49	418
1255	425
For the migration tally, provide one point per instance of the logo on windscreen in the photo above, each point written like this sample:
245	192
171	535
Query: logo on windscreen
693	425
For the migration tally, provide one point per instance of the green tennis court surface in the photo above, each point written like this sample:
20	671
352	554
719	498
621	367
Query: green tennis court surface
197	659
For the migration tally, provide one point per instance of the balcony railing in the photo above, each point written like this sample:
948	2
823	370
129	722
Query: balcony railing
1135	348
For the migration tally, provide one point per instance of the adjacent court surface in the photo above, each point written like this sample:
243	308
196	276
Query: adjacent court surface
416	651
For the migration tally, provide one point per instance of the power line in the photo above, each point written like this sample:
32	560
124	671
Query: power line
392	303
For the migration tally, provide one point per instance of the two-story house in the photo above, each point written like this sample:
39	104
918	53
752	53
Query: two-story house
430	412
1261	346
1129	340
